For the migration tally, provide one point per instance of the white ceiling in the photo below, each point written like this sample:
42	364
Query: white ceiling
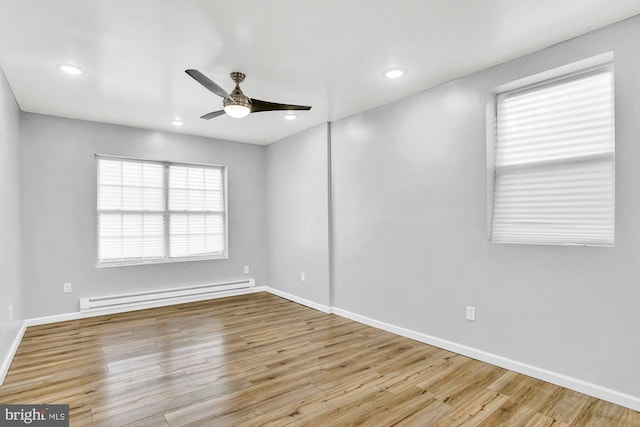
330	54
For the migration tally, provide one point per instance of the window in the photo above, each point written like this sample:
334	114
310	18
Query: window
152	212
554	161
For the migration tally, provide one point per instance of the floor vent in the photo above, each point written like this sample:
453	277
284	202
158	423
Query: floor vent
164	297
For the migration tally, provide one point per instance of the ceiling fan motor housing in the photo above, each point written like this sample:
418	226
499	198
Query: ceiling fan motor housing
236	97
237	77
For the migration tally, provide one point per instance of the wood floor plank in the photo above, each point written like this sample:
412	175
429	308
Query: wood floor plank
565	405
395	408
539	420
427	415
474	411
510	414
599	414
260	360
527	391
326	400
629	418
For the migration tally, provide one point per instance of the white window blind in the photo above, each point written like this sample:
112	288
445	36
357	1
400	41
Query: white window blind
554	162
158	212
196	209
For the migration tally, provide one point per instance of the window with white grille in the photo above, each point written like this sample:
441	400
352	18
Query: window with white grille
554	161
150	212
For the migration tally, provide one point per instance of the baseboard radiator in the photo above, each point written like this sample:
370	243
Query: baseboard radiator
164	296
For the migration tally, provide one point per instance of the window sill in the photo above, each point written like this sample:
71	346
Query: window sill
574	245
159	261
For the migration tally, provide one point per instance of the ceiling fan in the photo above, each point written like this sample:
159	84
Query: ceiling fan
237	104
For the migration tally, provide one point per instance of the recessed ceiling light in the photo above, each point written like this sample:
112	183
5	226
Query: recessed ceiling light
177	123
290	116
394	74
71	69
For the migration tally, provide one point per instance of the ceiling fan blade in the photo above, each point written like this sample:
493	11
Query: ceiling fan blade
212	114
258	105
208	83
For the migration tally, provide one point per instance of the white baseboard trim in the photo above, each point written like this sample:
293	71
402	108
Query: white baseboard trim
6	363
303	301
595	390
134	307
562	380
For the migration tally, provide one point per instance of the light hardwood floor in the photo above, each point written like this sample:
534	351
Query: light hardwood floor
259	360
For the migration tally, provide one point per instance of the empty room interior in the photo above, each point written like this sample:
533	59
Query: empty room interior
428	215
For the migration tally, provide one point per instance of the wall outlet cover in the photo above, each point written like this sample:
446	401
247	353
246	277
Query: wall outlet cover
471	313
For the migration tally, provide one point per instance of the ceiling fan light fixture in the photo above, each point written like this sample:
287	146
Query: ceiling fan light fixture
177	123
290	116
237	111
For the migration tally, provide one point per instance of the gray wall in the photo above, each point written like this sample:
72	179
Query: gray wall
10	280
58	198
410	236
298	214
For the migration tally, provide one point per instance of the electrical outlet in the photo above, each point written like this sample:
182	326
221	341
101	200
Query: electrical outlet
246	269
67	288
10	312
302	277
471	313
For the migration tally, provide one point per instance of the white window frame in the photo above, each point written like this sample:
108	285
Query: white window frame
166	214
576	69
